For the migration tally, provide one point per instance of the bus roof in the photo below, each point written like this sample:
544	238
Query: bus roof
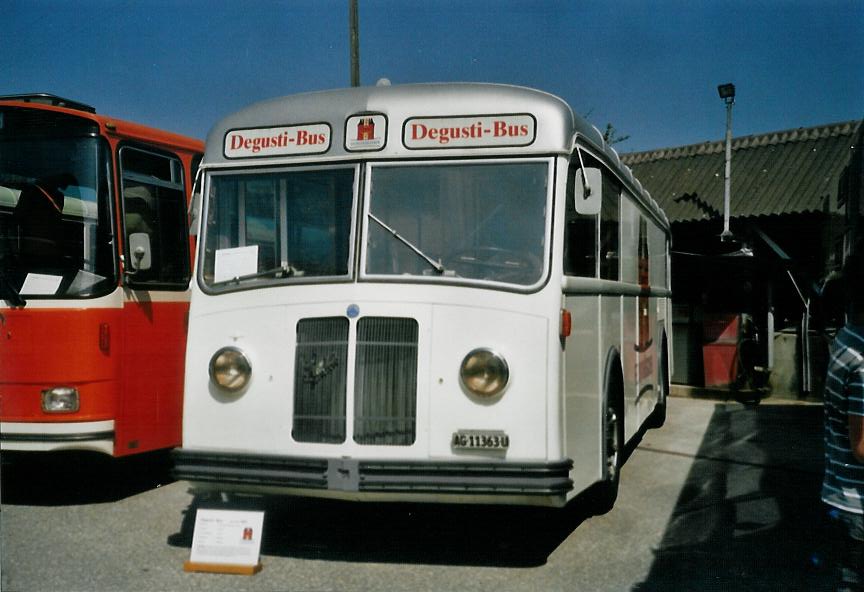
399	104
408	121
107	125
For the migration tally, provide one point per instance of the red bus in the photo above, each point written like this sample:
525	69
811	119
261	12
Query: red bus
95	259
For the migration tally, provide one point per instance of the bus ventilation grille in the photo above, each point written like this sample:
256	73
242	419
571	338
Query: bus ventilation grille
384	393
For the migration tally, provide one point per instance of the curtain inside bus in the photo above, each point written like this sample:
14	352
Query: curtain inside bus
271	226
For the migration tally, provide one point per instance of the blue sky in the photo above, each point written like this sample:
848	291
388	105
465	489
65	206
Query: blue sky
649	68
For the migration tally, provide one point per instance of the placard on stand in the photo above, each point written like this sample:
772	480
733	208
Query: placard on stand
227	542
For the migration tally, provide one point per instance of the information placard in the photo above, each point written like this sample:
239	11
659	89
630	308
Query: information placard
226	541
235	262
41	284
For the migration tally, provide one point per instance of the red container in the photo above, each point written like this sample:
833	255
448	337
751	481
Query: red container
720	348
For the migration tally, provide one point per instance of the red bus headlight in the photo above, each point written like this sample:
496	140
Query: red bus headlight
60	399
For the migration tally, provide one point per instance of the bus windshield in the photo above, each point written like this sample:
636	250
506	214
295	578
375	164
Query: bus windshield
474	221
55	222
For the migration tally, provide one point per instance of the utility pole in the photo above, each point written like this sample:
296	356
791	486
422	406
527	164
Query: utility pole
727	93
354	35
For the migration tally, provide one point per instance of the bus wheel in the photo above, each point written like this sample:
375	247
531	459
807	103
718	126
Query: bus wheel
613	453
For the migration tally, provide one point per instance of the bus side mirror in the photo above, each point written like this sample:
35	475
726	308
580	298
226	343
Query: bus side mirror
139	248
588	191
194	211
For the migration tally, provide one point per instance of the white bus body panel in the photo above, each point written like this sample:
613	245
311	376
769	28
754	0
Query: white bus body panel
265	331
583	382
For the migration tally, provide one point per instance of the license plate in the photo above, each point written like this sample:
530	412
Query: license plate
480	440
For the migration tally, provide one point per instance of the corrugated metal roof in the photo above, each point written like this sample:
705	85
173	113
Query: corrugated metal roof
785	172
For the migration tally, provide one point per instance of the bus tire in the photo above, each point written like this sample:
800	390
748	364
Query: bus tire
658	416
613	435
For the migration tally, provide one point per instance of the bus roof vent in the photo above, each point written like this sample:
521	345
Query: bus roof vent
49	99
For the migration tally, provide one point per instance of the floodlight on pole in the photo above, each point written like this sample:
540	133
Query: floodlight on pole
727	93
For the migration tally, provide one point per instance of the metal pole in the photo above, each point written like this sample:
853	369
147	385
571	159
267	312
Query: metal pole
354	34
727	182
806	368
770	329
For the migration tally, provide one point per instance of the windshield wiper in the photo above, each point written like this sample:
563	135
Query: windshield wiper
9	293
283	271
435	264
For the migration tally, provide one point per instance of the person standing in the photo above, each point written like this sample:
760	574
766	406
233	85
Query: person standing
843	484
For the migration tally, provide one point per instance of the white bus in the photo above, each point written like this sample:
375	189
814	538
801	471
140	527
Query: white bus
439	292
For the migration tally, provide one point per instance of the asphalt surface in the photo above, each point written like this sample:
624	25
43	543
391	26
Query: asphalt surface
724	497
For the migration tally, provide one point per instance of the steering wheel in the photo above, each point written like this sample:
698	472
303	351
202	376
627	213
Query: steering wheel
494	263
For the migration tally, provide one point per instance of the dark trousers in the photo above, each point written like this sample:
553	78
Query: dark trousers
849	534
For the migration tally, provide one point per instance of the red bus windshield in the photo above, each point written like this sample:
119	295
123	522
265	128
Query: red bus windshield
55	221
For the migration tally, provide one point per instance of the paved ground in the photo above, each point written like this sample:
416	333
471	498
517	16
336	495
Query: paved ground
748	516
724	497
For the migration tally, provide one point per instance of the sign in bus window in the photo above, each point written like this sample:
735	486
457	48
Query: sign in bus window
482	221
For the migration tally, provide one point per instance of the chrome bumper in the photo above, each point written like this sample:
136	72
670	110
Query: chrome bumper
49	436
373	476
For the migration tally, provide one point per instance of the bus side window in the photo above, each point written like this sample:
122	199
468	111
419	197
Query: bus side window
154	205
580	234
609	229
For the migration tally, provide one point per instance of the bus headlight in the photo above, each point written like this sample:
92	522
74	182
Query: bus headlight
230	369
60	399
484	372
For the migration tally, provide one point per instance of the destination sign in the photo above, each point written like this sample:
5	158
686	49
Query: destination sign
483	131
289	140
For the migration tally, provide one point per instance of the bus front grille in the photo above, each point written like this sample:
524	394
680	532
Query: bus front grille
385	385
319	380
385	381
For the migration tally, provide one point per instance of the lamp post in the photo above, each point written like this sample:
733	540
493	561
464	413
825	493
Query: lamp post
354	42
727	93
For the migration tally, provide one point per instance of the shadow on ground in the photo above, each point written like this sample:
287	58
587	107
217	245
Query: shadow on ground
432	534
75	478
404	533
749	516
